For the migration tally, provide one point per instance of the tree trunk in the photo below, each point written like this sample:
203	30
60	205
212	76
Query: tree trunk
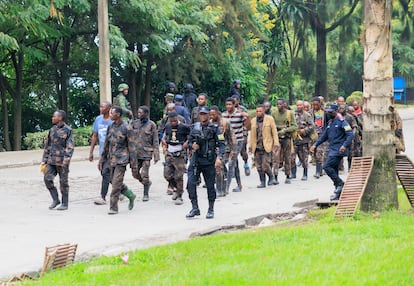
132	75
140	72
5	113
64	75
381	191
271	72
17	101
148	74
321	86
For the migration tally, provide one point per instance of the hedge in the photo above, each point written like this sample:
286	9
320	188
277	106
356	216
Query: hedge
37	140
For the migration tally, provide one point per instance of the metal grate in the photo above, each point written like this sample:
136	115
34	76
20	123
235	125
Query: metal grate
405	172
354	187
58	256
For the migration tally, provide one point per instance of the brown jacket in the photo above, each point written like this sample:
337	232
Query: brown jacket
270	137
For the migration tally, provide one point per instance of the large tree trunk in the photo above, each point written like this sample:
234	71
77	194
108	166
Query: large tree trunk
148	74
5	115
321	86
17	101
381	191
132	76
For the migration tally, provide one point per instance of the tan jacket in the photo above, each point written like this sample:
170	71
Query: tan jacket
270	137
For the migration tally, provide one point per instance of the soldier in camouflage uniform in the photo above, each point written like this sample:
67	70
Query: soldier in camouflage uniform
121	101
231	145
286	125
305	128
119	150
397	127
146	136
175	142
355	150
56	159
202	100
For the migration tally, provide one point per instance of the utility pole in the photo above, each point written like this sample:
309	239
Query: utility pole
104	57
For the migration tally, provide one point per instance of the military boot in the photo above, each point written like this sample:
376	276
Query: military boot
271	179
194	211
287	180
64	205
305	174
318	172
145	198
293	172
275	181
55	198
131	196
262	177
210	212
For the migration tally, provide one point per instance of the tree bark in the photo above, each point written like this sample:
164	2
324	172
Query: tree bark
5	115
148	74
17	101
321	86
381	192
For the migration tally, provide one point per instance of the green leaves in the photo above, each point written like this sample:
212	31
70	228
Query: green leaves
8	42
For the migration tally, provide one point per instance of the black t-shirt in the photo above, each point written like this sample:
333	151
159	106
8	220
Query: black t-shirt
176	135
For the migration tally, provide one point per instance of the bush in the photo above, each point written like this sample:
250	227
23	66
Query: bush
356	95
33	141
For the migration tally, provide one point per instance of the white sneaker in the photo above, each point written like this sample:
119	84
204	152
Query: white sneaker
100	202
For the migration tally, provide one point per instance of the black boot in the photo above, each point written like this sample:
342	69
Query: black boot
337	192
318	172
210	212
64	205
262	181
305	174
271	179
194	211
145	198
287	180
55	199
275	181
293	172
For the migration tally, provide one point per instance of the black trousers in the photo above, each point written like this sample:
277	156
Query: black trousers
209	174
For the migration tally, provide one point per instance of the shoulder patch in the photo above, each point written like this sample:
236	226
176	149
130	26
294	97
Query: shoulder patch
220	136
347	128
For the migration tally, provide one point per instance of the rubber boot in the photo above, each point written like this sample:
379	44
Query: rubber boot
131	196
293	172
318	172
55	199
64	205
275	181
145	198
271	179
305	174
210	212
262	181
194	211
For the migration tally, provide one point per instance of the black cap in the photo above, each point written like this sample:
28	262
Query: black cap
331	107
204	110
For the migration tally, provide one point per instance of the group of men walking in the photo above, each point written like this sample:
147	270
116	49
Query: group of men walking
197	140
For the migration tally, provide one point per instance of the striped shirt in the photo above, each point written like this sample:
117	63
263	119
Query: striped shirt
236	120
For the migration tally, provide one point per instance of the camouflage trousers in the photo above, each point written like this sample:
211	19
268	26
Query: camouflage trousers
263	161
233	169
174	168
283	156
221	174
143	172
118	186
302	151
51	172
321	153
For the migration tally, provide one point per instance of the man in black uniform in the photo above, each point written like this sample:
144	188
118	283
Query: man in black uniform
205	141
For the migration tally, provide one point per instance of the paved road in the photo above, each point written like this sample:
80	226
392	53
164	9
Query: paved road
27	226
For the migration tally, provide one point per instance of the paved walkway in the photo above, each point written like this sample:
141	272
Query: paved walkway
27	226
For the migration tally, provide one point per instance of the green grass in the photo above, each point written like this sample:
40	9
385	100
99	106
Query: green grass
323	251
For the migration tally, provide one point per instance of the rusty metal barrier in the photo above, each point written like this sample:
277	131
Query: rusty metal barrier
405	173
